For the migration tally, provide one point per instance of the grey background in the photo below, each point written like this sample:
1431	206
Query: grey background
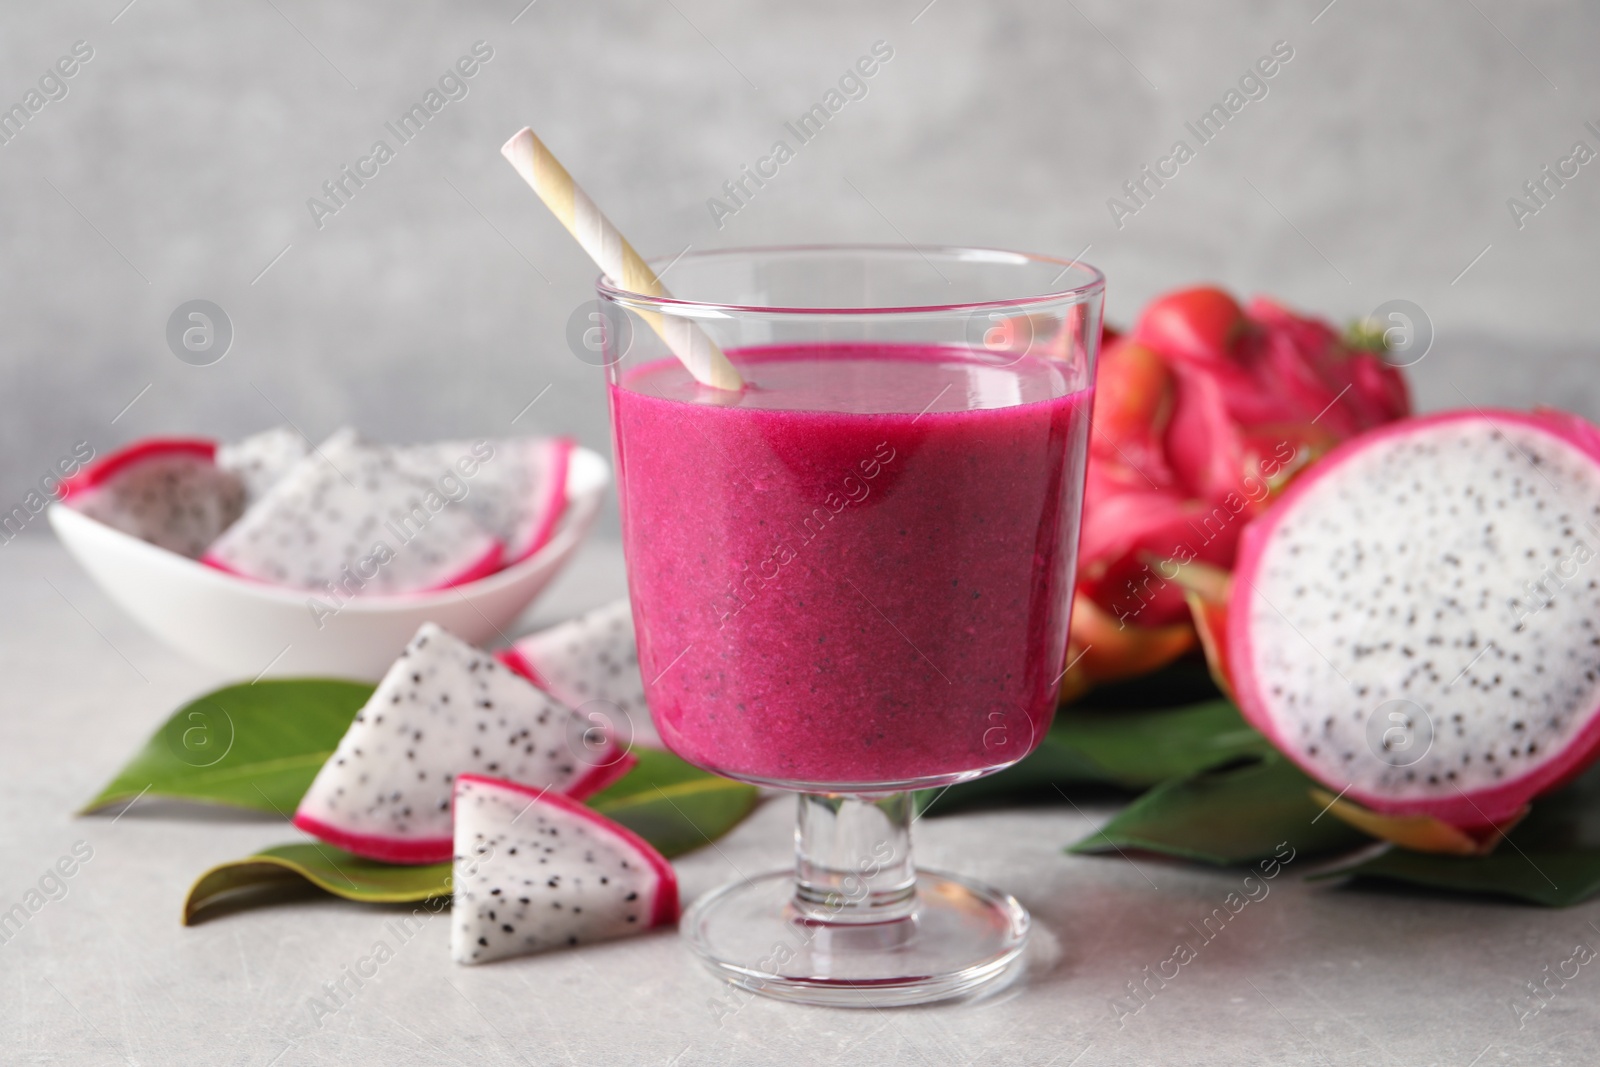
435	302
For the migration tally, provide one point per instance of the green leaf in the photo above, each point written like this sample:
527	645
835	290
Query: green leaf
290	869
1139	749
1055	762
1551	858
1554	879
252	746
1125	748
1229	816
674	805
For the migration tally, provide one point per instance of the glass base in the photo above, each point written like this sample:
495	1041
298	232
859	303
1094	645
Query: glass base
960	937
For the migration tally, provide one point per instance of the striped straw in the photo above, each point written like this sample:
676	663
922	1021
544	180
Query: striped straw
616	257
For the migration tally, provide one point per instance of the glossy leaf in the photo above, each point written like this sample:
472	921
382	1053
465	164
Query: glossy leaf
674	805
1419	833
1552	857
288	869
1141	749
1229	816
1554	879
247	746
1129	749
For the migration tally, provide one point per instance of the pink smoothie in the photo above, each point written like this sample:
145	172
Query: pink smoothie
858	573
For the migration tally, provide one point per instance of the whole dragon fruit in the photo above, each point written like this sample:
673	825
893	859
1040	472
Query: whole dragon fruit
1203	413
536	871
167	491
443	710
1416	623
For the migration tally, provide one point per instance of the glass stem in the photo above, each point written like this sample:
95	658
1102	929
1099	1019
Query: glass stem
853	858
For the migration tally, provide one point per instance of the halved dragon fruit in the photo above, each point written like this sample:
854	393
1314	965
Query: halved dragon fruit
518	488
168	491
1417	622
590	663
536	871
445	709
262	459
359	518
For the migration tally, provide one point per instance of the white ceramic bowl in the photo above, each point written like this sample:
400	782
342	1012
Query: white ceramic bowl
255	629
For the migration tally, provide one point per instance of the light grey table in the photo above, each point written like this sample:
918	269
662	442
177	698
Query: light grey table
1309	974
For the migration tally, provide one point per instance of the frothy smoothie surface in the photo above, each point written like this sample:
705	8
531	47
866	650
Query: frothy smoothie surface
859	571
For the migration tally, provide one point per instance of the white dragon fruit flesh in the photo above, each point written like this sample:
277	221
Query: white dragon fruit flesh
1416	623
517	491
167	491
358	518
590	663
262	459
445	709
536	871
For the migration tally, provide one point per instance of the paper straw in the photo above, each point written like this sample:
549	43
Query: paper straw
615	256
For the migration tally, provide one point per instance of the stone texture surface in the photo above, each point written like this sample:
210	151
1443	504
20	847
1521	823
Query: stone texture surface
1308	974
179	165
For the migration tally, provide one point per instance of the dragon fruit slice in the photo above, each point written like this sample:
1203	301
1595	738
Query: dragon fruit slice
536	871
445	709
357	518
168	491
262	459
590	663
1417	622
517	488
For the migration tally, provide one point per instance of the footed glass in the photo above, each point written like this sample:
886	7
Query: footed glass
852	579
